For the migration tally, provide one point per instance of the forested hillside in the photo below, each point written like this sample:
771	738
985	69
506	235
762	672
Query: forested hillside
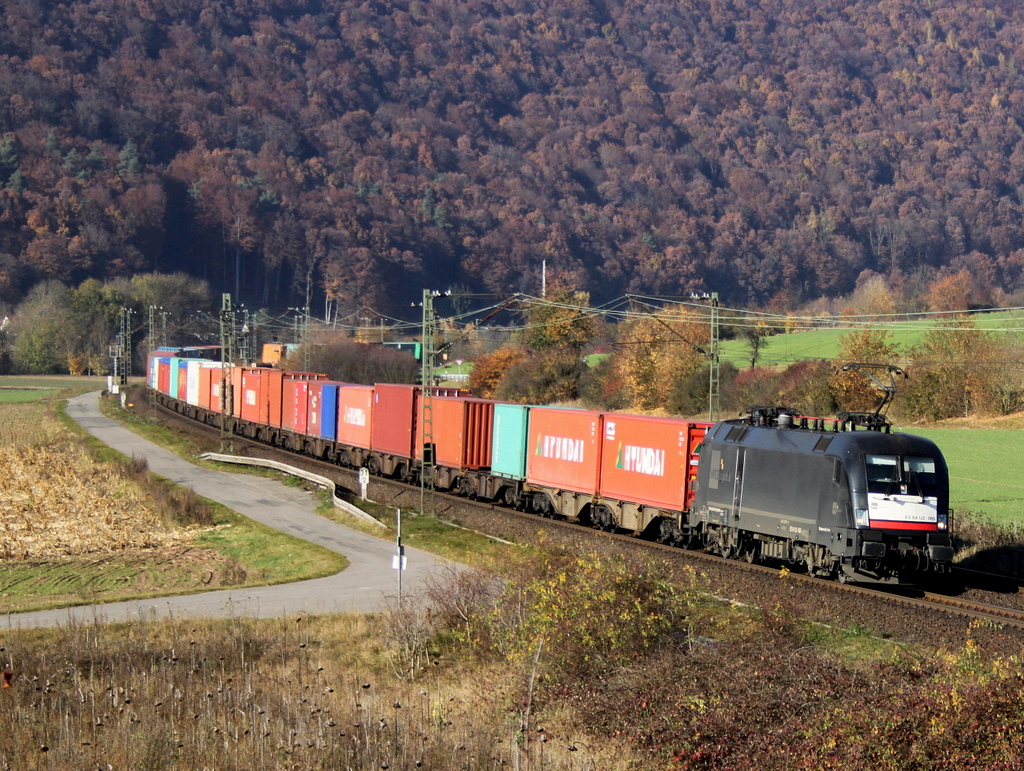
770	150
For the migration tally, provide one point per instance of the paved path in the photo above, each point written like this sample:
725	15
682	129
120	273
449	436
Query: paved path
361	587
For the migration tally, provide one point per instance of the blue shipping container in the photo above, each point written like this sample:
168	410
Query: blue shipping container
329	411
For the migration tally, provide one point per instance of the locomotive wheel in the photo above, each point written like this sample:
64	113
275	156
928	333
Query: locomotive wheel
750	555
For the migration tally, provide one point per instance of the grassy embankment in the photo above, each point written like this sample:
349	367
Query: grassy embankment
83	524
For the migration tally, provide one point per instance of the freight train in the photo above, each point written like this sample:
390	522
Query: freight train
841	498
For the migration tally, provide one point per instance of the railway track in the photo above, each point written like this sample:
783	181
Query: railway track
922	615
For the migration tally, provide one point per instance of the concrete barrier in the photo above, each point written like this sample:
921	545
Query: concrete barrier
309	476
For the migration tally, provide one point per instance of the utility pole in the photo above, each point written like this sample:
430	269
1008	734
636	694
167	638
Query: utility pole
427	375
714	377
227	390
122	349
150	323
150	350
305	339
249	329
302	333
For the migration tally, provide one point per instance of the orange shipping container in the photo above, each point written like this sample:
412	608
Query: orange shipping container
272	383
649	460
206	378
563	449
461	431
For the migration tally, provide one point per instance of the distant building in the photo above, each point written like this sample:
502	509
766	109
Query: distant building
274	352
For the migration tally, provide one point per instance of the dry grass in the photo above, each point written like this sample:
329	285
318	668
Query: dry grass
28	425
59	503
296	693
79	524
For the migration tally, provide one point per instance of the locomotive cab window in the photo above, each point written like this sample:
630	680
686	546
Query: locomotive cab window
889	475
883	473
919	474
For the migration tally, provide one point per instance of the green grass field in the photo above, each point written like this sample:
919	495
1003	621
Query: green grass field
10	395
20	389
784	349
985	474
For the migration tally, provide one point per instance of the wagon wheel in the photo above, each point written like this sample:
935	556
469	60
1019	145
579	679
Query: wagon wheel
668	532
601	517
466	489
541	505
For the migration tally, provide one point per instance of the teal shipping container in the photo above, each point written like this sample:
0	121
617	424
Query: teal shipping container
508	454
175	372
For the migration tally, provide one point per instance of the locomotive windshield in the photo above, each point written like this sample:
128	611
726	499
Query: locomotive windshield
891	475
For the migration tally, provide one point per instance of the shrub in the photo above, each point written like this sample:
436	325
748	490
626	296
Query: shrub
543	378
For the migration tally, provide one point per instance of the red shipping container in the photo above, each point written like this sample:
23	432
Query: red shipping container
232	376
461	430
164	376
314	408
295	405
236	390
251	393
563	449
215	385
648	460
394	418
355	415
182	394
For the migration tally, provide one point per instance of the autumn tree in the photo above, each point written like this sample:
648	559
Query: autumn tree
852	390
40	330
488	370
950	293
548	377
949	376
562	319
351	362
657	350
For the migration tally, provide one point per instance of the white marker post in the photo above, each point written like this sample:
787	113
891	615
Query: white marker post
398	562
364	481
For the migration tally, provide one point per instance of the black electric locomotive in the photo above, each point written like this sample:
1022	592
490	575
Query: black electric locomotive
844	498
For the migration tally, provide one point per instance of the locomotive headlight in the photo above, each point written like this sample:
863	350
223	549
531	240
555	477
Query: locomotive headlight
942	521
860	517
